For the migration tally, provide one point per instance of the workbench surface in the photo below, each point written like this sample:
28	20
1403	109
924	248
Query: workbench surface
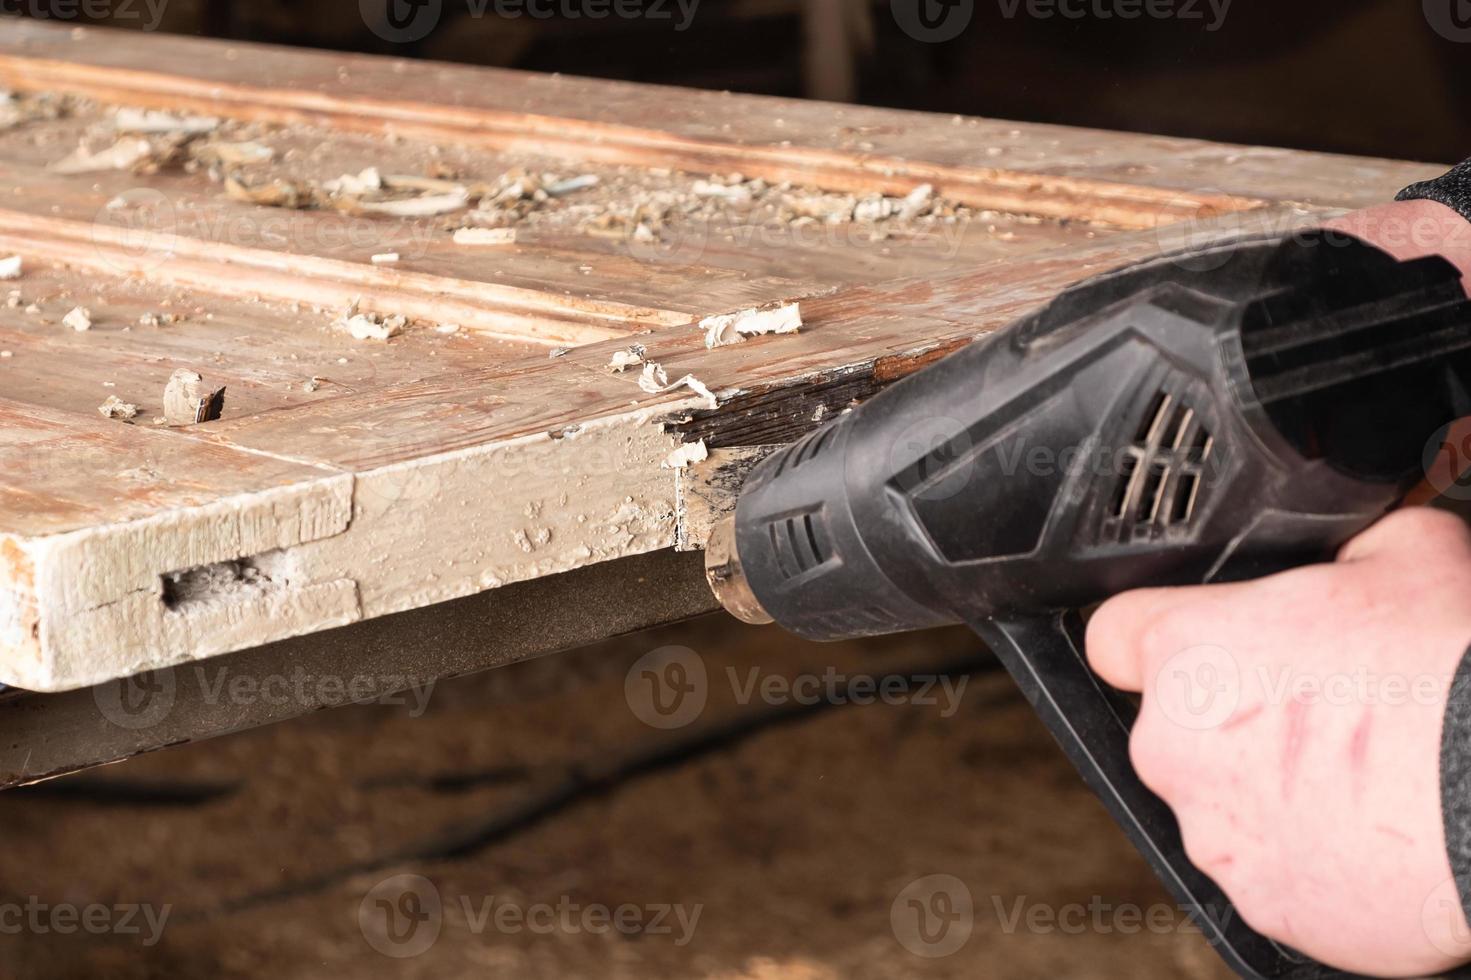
233	232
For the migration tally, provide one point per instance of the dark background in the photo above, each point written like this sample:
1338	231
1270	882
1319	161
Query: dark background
1361	76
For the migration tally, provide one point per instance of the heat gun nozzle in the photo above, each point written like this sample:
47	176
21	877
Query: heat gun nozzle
728	580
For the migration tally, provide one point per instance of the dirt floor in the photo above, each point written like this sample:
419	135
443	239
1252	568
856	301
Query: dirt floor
529	823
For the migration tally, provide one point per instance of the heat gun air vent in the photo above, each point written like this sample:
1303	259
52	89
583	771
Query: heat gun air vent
1159	474
806	449
799	543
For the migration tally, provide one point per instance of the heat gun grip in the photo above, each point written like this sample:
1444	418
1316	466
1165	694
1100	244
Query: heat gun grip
1092	721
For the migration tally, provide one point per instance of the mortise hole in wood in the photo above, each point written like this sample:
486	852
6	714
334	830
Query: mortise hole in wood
224	582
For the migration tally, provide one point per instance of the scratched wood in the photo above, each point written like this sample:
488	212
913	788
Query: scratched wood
488	442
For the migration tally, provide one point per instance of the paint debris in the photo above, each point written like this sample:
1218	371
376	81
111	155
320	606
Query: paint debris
187	401
366	181
11	267
655	380
116	408
733	328
916	202
272	194
485	236
122	155
690	452
426	206
556	352
13	300
385	258
561	188
737	194
630	356
447	328
151	121
6	353
79	319
233	154
372	326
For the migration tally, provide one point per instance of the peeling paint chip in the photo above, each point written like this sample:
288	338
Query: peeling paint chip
371	326
630	356
10	268
655	380
116	408
79	319
733	328
485	236
122	155
186	400
690	452
385	258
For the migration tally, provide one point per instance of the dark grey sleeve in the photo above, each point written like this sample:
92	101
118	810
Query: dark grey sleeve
1453	189
1455	779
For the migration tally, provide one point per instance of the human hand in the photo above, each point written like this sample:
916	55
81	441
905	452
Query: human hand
1294	723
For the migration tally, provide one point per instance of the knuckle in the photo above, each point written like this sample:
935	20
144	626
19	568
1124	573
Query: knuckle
1429	524
1166	632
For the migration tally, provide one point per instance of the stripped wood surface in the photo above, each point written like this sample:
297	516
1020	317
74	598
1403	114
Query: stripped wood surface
487	441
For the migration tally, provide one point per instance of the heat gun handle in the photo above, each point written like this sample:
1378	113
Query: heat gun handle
1092	721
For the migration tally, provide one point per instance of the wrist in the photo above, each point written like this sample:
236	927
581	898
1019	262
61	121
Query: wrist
1412	229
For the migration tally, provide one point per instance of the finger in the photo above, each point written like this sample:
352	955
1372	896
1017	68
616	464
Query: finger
1414	532
1122	630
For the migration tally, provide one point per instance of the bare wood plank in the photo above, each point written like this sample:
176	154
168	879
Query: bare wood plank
469	106
162	254
93	516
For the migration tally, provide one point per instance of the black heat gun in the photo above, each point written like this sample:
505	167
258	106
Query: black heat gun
1205	416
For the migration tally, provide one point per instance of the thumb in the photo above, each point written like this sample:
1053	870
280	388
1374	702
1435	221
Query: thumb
1122	630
